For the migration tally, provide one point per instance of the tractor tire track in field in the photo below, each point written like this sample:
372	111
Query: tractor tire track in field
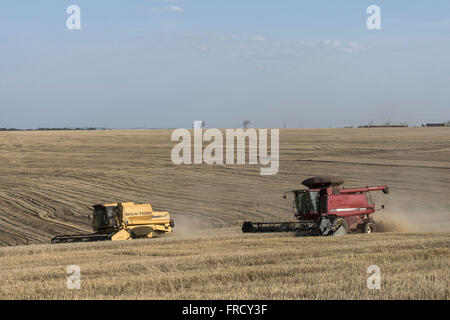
369	163
50	180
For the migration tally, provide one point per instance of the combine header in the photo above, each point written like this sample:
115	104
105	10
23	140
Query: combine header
122	221
325	209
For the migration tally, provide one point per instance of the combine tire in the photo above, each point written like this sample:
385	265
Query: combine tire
369	227
340	227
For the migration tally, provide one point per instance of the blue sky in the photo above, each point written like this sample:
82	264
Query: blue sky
166	63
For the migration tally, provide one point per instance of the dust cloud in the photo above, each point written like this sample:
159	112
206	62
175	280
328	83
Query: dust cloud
421	218
187	225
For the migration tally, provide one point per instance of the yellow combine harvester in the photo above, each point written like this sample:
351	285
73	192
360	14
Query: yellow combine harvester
122	221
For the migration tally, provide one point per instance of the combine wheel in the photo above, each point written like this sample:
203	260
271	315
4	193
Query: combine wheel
369	227
340	226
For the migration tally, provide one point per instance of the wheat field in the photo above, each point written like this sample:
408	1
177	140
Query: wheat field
413	266
50	180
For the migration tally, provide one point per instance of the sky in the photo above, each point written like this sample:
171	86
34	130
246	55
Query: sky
166	63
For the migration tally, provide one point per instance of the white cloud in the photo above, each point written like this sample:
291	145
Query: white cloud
175	8
206	48
259	38
248	38
349	47
166	9
355	47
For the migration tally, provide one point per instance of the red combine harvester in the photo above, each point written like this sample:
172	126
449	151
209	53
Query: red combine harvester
326	209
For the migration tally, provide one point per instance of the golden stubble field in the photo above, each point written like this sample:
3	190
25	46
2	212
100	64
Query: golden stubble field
49	180
413	266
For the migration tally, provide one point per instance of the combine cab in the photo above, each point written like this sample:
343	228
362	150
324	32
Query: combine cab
325	209
122	221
